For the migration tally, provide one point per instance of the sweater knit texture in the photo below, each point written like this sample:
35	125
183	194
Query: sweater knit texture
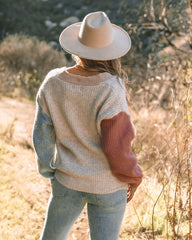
73	108
117	135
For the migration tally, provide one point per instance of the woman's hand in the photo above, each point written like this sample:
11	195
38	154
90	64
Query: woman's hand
130	193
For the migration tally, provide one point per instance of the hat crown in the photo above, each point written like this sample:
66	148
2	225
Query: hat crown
96	30
95	38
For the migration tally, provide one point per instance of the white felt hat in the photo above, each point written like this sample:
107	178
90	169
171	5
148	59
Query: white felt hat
95	38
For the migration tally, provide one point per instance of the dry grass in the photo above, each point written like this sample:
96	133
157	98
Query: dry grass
23	192
23	195
162	206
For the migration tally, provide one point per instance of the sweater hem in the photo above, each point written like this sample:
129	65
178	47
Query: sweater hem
88	187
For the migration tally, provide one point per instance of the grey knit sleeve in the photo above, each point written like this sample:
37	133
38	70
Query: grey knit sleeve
44	142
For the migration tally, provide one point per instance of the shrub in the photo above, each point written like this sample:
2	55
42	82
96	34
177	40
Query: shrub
163	146
24	61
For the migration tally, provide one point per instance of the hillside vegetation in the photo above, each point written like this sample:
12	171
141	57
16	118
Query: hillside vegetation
162	206
159	67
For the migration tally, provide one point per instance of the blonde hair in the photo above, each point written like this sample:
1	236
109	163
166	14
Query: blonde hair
112	66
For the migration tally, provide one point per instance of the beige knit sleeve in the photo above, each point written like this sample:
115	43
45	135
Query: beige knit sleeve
114	103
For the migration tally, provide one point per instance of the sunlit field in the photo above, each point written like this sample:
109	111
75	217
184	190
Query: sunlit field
159	86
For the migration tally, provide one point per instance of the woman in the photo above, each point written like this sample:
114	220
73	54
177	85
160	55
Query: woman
82	132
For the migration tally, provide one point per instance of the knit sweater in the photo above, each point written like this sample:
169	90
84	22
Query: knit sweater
82	132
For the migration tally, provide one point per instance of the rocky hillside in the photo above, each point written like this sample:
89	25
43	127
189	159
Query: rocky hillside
153	26
46	18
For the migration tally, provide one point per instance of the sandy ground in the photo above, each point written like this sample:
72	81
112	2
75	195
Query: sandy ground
19	114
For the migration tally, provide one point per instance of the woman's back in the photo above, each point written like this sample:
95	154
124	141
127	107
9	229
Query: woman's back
77	105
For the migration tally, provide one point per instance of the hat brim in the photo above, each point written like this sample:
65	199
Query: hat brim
120	45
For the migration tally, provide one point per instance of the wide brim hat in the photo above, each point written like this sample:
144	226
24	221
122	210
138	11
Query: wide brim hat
95	38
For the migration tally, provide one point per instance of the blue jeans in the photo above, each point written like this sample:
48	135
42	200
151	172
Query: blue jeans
105	213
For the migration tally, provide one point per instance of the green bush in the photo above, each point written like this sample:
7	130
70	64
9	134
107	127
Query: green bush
24	62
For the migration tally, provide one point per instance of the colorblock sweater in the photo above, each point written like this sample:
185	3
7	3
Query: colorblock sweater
82	132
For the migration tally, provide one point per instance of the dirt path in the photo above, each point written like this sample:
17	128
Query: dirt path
16	119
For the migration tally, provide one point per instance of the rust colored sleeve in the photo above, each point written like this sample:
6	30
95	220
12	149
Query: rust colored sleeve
117	134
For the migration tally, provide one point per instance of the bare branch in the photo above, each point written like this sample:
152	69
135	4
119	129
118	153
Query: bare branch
152	10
